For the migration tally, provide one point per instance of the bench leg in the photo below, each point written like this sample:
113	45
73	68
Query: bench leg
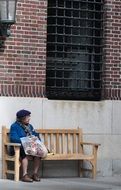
17	164
4	163
94	161
4	174
94	168
80	168
16	176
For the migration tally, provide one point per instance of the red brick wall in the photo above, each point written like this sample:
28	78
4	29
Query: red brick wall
23	56
112	50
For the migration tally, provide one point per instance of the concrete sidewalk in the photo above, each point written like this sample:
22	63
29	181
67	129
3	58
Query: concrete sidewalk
106	183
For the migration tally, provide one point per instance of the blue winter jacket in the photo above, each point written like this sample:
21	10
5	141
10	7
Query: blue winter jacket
17	132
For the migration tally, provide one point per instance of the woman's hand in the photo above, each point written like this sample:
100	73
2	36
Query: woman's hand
34	138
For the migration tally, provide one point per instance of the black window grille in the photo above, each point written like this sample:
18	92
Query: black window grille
74	49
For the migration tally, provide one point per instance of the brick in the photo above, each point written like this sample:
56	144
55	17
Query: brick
25	51
112	25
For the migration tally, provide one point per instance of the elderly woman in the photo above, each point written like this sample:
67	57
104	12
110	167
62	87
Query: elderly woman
22	128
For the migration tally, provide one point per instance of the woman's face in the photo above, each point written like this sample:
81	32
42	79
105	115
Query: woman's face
26	120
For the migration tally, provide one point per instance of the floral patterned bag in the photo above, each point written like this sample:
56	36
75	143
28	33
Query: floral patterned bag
34	147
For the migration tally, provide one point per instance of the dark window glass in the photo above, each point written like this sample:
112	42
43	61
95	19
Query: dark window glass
74	49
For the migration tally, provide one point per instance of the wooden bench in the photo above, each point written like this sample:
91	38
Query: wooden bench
65	144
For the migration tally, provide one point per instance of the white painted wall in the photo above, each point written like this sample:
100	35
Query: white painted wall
100	122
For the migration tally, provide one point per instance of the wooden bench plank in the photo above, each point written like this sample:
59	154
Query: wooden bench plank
69	157
74	143
63	144
52	143
54	131
57	143
69	143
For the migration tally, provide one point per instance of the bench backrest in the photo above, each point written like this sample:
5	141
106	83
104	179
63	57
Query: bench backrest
60	141
5	135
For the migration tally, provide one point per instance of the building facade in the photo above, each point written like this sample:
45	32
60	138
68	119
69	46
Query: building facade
62	62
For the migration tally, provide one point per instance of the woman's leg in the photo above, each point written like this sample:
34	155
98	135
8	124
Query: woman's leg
24	161
24	165
37	162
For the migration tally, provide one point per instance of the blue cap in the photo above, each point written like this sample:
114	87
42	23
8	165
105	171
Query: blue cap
22	113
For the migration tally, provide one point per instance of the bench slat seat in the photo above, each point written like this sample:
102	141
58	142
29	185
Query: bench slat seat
69	157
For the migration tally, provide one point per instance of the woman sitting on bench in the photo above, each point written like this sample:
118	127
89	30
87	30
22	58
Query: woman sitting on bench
22	128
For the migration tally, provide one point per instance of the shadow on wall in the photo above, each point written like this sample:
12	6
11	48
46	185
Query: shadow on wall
2	41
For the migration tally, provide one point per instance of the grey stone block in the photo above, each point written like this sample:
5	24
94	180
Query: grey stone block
60	168
104	167
116	167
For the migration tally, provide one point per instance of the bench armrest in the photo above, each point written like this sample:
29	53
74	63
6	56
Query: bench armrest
89	143
13	144
94	147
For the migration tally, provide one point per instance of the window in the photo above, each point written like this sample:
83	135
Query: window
74	49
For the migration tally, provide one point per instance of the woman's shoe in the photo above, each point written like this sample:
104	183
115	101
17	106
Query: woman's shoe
26	178
35	177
